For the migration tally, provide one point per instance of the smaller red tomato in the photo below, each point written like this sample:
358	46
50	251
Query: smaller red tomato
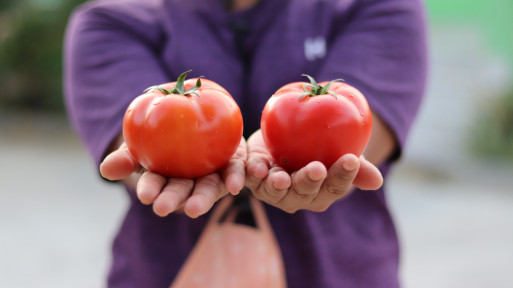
304	122
184	129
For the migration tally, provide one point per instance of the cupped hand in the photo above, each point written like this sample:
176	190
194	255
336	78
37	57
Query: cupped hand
167	195
313	187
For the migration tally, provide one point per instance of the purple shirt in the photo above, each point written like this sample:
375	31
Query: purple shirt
116	49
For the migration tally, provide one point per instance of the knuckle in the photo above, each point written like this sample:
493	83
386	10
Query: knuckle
345	176
240	153
333	191
211	180
179	183
252	162
273	193
302	195
235	164
267	195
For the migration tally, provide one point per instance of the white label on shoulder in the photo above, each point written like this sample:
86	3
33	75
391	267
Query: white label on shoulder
315	48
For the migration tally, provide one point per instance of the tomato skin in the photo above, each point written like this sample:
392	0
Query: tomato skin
183	136
321	128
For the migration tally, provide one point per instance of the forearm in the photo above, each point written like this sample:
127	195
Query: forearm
382	142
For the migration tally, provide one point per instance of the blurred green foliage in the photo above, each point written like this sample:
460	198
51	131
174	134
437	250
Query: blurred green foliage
31	40
492	17
493	135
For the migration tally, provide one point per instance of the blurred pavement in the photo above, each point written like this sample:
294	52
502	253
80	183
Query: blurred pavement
57	218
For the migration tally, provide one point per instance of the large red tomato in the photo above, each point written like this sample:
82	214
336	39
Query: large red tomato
184	129
304	122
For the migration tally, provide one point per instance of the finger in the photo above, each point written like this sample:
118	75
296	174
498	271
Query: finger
256	171
369	177
118	164
207	191
274	187
258	164
149	186
259	161
173	196
338	182
234	174
305	186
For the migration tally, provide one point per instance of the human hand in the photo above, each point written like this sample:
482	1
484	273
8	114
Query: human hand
194	196
313	187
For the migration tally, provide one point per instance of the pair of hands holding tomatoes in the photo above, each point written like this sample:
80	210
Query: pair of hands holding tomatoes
275	163
313	187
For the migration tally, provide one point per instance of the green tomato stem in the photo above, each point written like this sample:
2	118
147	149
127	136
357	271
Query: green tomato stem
316	89
179	88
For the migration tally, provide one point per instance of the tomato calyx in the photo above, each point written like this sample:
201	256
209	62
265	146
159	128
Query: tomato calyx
179	87
316	89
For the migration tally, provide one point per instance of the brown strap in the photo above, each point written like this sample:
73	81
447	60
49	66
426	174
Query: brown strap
224	208
259	214
224	204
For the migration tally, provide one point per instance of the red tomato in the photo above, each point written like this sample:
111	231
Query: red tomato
184	129
304	122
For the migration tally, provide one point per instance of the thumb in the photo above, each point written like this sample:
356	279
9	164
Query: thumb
118	164
369	177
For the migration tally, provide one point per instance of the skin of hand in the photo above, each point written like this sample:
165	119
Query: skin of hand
239	5
194	196
314	187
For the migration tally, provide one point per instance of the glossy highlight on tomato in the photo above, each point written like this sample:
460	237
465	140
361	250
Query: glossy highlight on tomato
184	129
304	122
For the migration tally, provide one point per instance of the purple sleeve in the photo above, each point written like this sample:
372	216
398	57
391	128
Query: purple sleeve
381	50
110	58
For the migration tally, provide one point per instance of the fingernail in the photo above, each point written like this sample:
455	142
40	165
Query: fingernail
315	176
349	165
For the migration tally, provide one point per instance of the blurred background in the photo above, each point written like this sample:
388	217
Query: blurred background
452	194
